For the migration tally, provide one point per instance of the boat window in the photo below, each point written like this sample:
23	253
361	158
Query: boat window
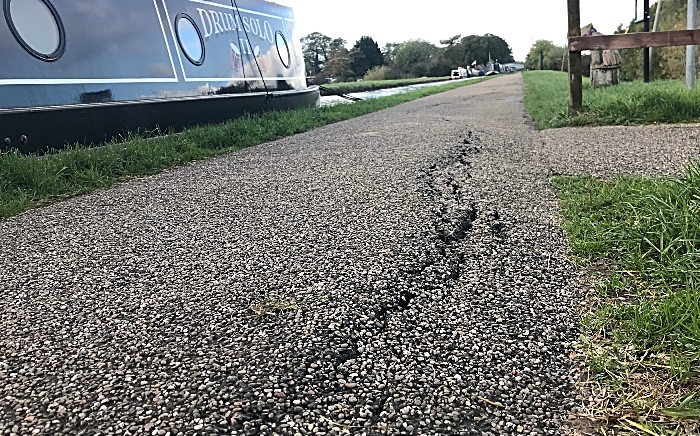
36	25
190	39
283	49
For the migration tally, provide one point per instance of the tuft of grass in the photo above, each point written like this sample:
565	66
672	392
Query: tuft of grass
275	305
688	408
28	181
647	312
629	103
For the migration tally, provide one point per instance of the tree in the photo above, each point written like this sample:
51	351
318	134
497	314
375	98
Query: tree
339	63
484	48
453	51
413	56
550	55
438	66
389	52
336	44
366	56
315	48
357	62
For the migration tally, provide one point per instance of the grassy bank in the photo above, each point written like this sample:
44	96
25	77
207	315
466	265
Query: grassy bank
31	181
630	103
640	240
373	85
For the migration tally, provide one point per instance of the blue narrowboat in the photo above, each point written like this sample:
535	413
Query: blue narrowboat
90	71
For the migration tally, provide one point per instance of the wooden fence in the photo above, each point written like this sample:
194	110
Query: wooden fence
578	43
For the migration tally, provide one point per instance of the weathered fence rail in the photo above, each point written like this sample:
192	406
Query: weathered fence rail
635	40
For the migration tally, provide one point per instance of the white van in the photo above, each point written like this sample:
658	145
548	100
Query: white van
460	73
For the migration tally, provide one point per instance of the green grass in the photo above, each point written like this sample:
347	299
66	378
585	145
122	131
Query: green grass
373	85
639	237
630	103
649	230
28	181
646	232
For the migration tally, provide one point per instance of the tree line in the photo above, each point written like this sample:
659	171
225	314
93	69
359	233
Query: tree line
666	62
545	55
328	57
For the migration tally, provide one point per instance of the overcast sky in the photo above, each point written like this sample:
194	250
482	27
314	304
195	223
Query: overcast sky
519	22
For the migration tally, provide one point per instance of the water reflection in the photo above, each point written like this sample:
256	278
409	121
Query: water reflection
104	40
333	100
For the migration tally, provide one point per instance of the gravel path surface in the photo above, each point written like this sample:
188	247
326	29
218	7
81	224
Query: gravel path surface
613	150
398	273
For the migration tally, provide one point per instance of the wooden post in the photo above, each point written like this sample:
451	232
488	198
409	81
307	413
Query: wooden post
647	53
575	79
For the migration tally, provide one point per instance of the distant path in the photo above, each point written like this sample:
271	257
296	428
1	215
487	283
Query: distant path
411	260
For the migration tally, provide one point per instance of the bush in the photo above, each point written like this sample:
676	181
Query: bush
381	73
438	67
320	79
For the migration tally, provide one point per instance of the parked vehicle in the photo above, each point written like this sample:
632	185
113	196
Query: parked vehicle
460	73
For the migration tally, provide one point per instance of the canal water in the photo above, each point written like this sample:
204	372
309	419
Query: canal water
332	99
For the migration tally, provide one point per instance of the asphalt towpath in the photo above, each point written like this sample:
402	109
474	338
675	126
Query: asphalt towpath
399	273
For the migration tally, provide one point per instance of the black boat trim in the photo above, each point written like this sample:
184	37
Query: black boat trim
37	129
50	57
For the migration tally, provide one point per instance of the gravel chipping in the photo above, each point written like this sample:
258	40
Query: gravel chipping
399	273
610	151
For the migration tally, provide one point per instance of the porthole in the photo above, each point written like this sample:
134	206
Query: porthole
36	25
190	39
283	49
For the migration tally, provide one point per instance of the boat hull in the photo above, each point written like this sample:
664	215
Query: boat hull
35	130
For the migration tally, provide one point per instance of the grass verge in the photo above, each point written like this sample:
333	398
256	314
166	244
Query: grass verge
630	103
373	85
28	181
640	237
